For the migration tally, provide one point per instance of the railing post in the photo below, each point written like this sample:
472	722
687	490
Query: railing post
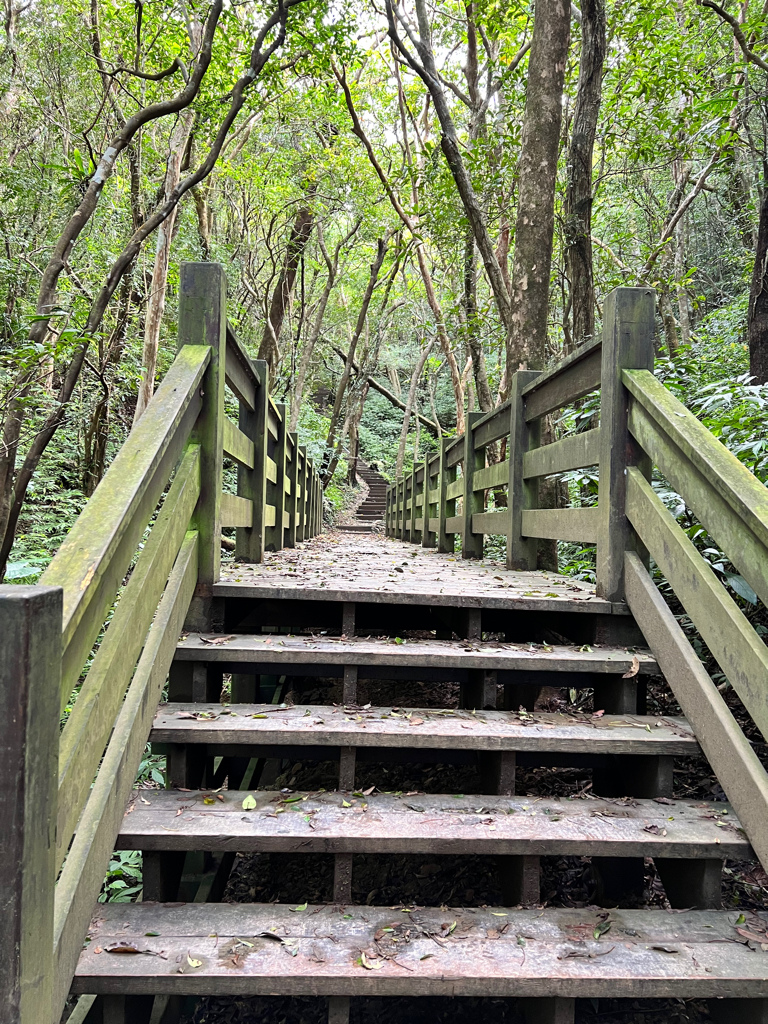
311	500
471	543
521	494
252	483
412	515
400	509
628	329
445	507
301	528
428	536
293	502
30	679
203	321
275	534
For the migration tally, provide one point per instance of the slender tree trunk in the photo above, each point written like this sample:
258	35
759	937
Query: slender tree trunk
578	195
281	295
156	304
758	297
409	405
527	341
355	416
474	343
330	460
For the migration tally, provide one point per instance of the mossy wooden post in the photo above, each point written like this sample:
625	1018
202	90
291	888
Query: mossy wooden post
30	670
312	480
301	529
522	494
446	508
428	535
292	499
471	543
400	508
418	492
275	534
252	483
203	321
628	327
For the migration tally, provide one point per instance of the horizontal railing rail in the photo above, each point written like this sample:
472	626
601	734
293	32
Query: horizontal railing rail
99	634
508	452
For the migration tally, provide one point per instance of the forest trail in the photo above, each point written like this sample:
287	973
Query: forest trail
355	724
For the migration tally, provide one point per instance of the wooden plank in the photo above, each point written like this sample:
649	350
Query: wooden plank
236	511
492	426
740	535
93	558
576	379
574	524
735	645
565	367
489	477
445	826
318	726
454	451
360	651
628	330
730	754
237	352
86	863
301	528
273	420
455	489
269	515
239	381
30	660
252	484
286	520
287	486
454	524
479	957
238	445
495	522
90	722
446	506
568	453
733	481
271	470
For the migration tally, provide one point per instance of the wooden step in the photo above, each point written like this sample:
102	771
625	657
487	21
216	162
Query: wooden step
418	654
421	728
388	823
207	949
386	571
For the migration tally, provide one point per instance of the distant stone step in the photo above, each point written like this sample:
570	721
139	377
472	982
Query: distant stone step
252	949
240	725
441	825
416	654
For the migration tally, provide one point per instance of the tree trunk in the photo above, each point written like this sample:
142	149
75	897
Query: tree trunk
409	405
527	340
578	194
474	343
355	416
758	297
329	460
156	304
281	296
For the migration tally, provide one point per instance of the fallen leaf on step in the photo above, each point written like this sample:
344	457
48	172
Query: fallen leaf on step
217	639
633	670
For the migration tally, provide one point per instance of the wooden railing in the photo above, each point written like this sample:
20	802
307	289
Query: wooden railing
150	536
453	486
642	426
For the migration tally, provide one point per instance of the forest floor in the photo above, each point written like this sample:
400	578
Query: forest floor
389	880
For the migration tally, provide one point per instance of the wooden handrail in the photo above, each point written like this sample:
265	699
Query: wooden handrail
627	341
82	780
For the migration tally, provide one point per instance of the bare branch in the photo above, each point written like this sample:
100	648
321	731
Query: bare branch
738	34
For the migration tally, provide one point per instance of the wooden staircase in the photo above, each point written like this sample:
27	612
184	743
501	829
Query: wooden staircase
353	652
370	513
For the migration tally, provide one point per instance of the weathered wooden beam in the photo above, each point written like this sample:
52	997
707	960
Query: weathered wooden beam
473	501
83	873
574	524
628	329
735	645
293	499
573	377
237	445
735	763
568	453
30	663
274	535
